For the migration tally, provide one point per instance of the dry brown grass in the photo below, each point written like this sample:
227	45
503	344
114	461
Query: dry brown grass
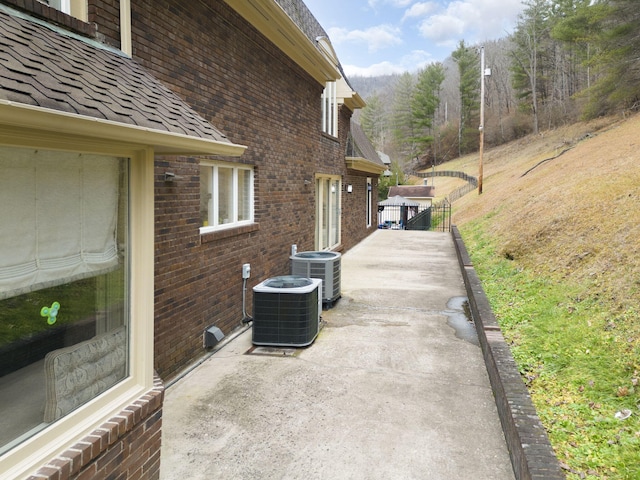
576	216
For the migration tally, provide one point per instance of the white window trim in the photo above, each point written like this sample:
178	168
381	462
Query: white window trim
331	219
80	10
369	200
330	109
75	8
54	439
214	224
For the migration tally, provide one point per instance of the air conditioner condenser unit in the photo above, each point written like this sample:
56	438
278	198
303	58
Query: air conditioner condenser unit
286	311
322	265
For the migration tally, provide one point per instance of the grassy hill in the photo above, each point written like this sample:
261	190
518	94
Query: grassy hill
555	237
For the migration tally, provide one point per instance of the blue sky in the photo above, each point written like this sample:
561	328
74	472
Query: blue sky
377	37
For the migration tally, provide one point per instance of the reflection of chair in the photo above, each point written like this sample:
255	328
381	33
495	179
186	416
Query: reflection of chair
74	375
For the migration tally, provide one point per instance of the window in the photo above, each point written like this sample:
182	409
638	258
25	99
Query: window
327	212
330	109
64	285
62	5
226	195
75	8
369	200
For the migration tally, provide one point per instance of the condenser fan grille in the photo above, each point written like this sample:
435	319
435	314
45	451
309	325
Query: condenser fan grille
322	265
286	315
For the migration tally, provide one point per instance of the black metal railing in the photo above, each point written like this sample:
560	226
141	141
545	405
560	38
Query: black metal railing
436	217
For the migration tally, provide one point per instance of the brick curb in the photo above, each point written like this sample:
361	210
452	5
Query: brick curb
531	453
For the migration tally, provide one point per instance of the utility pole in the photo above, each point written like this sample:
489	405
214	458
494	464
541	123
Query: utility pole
482	72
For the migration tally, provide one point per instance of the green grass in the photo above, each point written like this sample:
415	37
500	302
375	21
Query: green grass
578	355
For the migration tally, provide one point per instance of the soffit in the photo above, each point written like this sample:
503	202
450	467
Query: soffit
289	25
60	83
348	96
363	165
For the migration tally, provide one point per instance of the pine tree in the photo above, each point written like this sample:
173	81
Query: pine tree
402	116
469	89
373	121
426	100
618	46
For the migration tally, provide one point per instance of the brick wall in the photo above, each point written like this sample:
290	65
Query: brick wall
105	15
246	87
354	225
258	97
126	446
354	208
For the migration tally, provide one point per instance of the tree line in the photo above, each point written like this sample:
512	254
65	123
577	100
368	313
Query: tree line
566	60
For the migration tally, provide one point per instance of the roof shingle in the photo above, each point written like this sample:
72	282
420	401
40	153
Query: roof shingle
42	66
412	191
361	146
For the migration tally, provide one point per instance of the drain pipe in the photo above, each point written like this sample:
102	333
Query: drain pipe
245	318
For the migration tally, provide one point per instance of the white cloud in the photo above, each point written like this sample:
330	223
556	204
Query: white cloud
393	3
420	9
411	62
471	20
442	28
376	38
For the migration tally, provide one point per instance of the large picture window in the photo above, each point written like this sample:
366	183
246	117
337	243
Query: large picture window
226	195
328	200
64	283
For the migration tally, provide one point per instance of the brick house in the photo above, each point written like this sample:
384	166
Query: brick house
148	150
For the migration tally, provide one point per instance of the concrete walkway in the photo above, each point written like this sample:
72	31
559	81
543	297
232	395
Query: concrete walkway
394	387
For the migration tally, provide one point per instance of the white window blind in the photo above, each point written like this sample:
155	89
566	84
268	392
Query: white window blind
59	218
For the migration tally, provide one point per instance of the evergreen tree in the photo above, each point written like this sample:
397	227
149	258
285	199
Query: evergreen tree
469	89
373	121
576	26
617	56
403	121
426	100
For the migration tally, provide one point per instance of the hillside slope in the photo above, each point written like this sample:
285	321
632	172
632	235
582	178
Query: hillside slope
576	215
555	240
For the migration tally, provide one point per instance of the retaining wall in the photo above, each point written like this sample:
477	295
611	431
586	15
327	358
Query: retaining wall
531	453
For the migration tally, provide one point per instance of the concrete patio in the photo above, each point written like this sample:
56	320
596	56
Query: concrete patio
394	387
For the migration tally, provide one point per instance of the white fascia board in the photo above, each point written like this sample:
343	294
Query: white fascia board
274	23
16	116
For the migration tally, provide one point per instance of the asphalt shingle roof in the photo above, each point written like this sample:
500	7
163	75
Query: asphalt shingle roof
44	67
361	146
308	24
412	191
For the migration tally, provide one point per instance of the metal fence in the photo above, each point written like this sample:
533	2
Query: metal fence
437	217
472	182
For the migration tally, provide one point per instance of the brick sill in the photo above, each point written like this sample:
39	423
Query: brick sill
330	137
227	233
53	15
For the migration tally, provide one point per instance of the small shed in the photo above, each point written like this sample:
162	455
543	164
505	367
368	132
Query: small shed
398	200
394	212
423	194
